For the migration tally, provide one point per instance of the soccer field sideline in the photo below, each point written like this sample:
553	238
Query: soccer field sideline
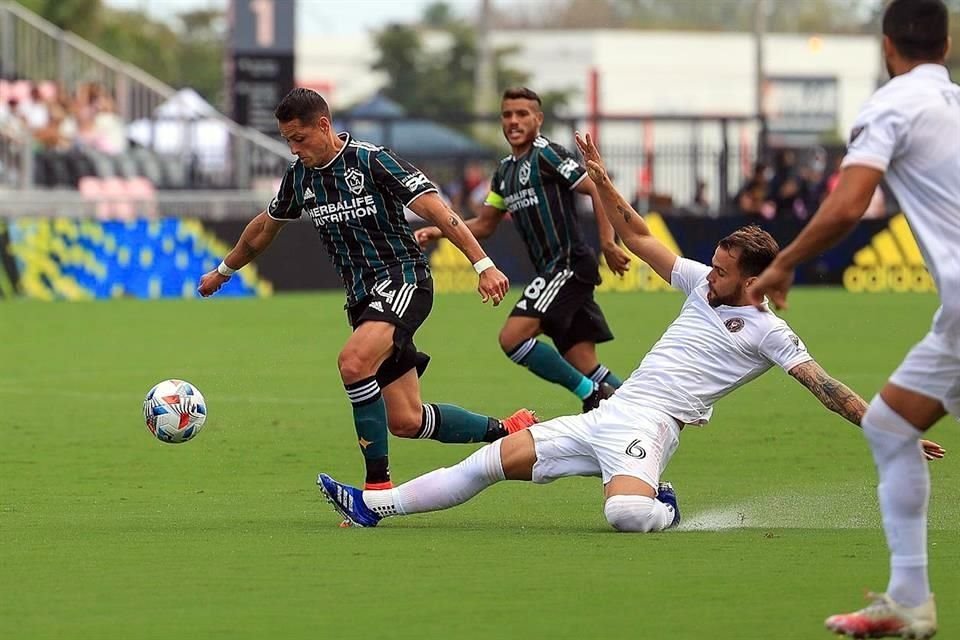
106	533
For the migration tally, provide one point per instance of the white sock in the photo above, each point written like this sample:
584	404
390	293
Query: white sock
904	491
442	488
637	514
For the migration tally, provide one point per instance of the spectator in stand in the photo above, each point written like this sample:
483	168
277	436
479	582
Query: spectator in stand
700	205
35	111
788	188
61	129
109	130
12	124
98	126
751	200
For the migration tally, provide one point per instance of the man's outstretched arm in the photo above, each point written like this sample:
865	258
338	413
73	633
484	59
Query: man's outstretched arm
840	399
629	224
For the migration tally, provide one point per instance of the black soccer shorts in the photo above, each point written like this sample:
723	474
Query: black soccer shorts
567	311
405	306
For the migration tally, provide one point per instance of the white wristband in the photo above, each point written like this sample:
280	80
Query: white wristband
224	270
483	264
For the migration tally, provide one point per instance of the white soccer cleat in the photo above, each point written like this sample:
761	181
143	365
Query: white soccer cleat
884	618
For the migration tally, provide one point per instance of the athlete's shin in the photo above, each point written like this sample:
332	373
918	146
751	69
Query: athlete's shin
442	488
370	422
903	491
602	374
547	363
452	424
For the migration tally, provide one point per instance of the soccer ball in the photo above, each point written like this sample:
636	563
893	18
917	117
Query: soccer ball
174	411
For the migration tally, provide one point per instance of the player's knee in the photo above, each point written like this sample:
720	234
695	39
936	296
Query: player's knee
353	366
508	341
406	424
634	514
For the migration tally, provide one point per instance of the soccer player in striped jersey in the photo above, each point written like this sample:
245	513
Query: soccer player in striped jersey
354	193
536	185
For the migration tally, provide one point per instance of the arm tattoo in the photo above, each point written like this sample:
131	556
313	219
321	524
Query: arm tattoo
625	212
834	395
453	221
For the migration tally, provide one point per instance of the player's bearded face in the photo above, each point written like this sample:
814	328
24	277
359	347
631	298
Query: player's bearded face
520	119
726	286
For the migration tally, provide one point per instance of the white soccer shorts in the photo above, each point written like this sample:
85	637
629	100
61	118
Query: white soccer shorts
932	369
617	439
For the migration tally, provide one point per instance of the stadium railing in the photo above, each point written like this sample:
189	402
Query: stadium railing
33	49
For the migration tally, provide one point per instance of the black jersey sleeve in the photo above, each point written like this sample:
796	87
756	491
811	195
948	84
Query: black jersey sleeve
284	205
397	177
556	161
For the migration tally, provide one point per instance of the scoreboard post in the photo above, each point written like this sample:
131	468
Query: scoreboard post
260	63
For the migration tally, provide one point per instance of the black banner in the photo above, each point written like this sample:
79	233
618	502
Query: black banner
880	255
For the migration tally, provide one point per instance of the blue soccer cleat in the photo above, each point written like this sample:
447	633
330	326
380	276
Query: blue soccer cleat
668	496
348	501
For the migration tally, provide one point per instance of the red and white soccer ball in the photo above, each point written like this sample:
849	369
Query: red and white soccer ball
174	411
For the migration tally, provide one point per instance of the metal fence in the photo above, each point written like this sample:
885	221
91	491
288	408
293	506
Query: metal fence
660	160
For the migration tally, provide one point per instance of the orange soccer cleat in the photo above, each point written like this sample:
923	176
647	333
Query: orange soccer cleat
884	618
520	420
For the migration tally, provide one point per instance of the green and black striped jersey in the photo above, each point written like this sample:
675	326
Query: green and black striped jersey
356	202
538	191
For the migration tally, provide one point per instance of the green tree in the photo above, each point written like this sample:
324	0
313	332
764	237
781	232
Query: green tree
202	34
187	53
441	85
82	17
438	15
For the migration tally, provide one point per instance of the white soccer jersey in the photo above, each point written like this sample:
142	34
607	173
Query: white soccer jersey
708	352
910	129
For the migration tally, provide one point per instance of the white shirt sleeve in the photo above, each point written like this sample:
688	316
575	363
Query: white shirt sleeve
688	274
877	137
784	348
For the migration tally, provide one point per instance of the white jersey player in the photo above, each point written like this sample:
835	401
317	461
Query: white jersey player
718	343
909	131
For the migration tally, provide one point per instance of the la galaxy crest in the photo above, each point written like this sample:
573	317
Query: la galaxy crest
354	180
734	324
524	173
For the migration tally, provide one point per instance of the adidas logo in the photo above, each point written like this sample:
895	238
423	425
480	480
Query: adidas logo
308	194
891	262
522	305
376	305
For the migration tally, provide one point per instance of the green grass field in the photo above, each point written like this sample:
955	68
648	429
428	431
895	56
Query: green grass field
107	533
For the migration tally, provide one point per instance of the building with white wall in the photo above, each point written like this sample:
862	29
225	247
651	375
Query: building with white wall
815	85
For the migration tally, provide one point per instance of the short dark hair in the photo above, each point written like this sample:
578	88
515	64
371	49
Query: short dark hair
918	29
305	105
757	249
522	93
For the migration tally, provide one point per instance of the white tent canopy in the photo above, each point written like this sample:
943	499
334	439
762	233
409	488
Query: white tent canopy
186	124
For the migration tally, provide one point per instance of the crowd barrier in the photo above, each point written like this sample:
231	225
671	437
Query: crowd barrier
85	259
